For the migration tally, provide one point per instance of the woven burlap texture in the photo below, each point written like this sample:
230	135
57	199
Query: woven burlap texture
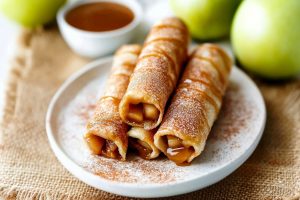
29	169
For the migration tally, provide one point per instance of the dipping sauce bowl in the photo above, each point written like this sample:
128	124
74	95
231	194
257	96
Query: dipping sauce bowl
94	28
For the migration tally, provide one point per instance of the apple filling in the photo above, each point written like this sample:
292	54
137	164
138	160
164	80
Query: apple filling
100	146
144	150
176	151
95	143
142	112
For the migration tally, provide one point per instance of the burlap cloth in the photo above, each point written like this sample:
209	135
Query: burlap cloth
29	169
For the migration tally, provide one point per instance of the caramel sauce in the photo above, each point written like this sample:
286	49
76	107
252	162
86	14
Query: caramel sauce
131	51
227	62
164	53
222	79
212	87
179	155
202	93
171	26
95	143
164	39
142	151
149	55
100	146
113	99
126	66
110	150
207	76
100	16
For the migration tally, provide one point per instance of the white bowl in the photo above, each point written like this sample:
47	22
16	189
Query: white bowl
95	44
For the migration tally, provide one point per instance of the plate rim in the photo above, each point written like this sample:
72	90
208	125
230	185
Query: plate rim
145	190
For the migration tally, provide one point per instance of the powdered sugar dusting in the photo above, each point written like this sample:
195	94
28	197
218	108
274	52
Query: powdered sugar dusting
239	118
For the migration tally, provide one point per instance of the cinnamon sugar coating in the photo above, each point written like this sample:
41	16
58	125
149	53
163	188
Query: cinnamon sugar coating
157	70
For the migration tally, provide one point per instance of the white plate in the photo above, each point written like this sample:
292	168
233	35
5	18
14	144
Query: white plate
233	139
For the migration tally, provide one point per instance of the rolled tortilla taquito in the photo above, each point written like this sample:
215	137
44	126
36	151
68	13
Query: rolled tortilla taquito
156	74
142	141
195	105
106	132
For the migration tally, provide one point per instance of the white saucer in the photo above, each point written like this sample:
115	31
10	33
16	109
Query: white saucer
233	139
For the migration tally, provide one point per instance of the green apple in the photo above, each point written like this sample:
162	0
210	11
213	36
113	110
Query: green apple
206	19
31	13
266	37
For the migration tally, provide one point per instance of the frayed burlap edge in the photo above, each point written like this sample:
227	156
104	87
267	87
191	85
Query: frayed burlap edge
16	72
10	193
18	69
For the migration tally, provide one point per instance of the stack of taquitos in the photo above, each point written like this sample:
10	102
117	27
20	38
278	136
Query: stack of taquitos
192	110
195	105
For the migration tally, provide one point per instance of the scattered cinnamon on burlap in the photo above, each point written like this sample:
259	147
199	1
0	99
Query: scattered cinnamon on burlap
29	169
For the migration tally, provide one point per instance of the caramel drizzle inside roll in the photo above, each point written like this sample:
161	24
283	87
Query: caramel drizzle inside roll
176	151
144	150
100	146
140	140
110	150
